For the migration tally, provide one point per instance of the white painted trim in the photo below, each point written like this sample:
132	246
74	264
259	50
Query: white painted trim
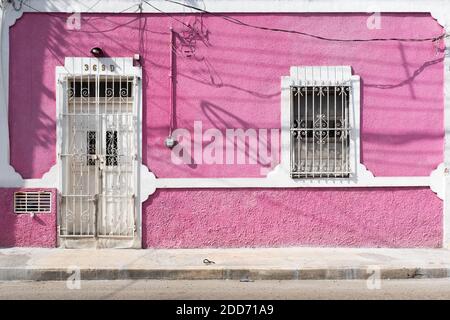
437	184
446	219
282	180
179	183
139	167
8	176
148	183
437	7
48	180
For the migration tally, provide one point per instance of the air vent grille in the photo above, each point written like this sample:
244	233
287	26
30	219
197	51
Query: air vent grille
32	202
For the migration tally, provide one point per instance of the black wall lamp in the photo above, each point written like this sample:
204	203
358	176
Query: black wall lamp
97	52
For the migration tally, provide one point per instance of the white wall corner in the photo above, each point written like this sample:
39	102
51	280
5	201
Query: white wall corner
280	175
9	178
11	15
364	175
147	183
442	15
50	179
437	180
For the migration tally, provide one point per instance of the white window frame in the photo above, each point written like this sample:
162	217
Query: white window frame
322	75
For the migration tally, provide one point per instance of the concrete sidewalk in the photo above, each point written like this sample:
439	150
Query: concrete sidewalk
237	264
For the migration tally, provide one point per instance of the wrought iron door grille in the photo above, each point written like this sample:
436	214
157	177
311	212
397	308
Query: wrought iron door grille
98	156
85	87
32	202
111	148
91	147
320	131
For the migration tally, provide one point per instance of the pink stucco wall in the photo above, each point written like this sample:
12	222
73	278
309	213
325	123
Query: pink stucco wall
22	230
396	217
229	77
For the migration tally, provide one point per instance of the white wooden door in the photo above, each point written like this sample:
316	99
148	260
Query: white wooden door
99	160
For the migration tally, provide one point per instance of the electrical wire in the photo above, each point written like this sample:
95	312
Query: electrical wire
61	17
15	7
167	14
245	24
3	3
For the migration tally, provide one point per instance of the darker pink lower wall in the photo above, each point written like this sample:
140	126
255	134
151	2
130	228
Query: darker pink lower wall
396	217
22	230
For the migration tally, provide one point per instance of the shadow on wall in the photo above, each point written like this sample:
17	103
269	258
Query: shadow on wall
407	81
207	74
36	101
223	119
396	139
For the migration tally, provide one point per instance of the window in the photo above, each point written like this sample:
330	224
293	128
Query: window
31	202
91	147
111	148
320	131
320	123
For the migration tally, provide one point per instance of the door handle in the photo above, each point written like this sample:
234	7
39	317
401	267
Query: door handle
101	159
95	200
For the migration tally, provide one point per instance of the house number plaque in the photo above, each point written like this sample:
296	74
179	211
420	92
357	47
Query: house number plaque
95	67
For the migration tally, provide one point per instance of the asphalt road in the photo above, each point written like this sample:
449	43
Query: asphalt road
228	289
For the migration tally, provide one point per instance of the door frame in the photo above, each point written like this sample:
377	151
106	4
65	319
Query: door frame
91	66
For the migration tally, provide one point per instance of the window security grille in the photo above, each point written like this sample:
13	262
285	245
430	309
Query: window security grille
83	88
111	148
91	147
30	202
320	131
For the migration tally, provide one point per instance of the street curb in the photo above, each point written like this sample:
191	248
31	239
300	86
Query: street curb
360	273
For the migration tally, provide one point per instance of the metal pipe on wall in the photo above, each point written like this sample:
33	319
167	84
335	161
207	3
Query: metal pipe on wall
170	141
